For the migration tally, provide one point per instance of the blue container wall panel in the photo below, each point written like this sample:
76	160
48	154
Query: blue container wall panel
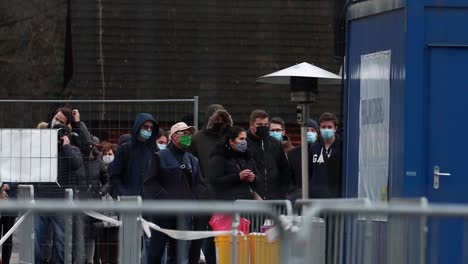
372	34
432	24
446	26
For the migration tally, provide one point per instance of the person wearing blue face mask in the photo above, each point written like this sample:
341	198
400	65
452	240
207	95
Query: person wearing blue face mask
128	169
278	132
162	139
325	177
231	169
294	157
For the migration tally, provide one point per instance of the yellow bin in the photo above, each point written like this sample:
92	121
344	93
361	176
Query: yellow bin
262	251
224	249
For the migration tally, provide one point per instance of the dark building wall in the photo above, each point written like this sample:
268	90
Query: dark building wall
168	49
214	49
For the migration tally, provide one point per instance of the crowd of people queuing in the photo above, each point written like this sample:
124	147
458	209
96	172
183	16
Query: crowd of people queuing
220	162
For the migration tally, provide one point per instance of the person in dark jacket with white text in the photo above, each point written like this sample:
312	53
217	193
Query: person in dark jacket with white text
325	158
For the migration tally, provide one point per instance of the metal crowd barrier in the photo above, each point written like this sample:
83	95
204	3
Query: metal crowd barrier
401	231
130	211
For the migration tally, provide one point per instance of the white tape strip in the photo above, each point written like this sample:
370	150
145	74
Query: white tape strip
14	227
181	234
104	218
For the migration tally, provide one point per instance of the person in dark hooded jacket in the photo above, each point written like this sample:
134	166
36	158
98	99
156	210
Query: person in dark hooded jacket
231	169
130	164
273	177
295	161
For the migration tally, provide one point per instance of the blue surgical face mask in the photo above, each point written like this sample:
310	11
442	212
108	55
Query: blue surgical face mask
161	146
276	135
311	137
327	133
145	134
242	146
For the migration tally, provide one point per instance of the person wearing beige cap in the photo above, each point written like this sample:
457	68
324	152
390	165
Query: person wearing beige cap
173	174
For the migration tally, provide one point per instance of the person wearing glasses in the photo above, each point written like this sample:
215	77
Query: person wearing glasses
273	174
278	132
173	174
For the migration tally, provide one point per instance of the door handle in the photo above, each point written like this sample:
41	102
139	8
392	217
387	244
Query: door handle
437	174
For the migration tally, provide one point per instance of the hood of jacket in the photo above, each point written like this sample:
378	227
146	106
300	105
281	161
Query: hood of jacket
140	119
223	114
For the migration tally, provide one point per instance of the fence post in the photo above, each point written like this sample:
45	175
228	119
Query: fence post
195	112
130	233
68	218
26	232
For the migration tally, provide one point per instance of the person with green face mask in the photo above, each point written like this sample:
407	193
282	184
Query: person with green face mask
173	174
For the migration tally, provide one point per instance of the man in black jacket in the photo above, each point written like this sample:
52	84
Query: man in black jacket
273	176
70	169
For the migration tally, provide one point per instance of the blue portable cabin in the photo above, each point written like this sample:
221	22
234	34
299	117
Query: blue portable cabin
405	113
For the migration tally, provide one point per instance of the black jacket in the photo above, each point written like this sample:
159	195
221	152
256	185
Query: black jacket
130	164
295	163
325	173
70	170
168	179
223	173
95	182
273	175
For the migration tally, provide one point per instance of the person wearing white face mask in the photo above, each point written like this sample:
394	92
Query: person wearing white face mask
294	157
107	152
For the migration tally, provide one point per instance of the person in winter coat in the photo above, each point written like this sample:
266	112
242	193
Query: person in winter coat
273	174
205	141
295	162
130	164
70	169
93	186
325	176
231	169
202	145
107	238
173	174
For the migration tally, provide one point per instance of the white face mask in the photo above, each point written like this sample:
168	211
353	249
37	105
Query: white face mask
108	159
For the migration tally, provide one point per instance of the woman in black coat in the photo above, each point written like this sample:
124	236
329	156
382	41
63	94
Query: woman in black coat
231	169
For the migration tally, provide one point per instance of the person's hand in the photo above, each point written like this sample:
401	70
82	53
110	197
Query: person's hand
75	116
244	175
65	140
251	177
